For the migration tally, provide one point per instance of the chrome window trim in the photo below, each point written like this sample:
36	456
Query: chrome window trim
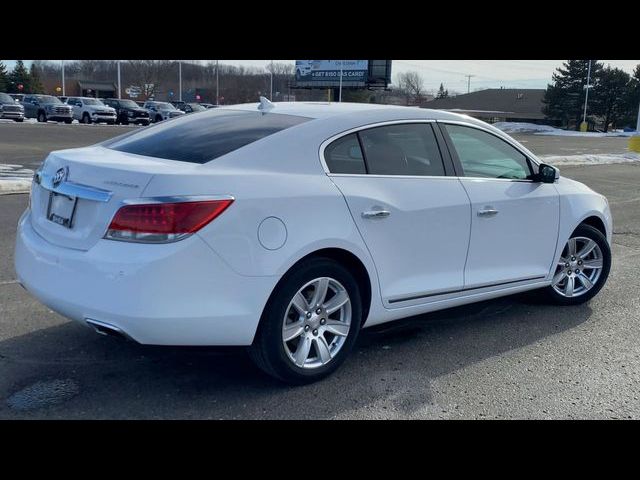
529	156
337	136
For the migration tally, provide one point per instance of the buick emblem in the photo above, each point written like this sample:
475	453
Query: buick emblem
60	176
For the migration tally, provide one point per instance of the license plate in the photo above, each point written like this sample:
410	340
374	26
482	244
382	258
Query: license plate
61	209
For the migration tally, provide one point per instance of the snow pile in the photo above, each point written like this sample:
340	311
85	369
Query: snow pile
523	127
14	179
601	159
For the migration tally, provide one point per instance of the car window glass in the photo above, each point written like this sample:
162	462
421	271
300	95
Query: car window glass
485	155
406	149
201	138
344	155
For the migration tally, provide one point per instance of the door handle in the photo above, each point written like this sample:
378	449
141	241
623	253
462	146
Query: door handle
376	214
487	212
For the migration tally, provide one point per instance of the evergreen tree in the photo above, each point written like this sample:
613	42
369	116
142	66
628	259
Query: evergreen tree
565	96
36	84
19	76
610	96
3	78
633	98
442	93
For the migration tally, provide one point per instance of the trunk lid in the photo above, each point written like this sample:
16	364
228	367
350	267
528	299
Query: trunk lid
97	179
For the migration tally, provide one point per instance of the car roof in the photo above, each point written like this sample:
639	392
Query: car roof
322	110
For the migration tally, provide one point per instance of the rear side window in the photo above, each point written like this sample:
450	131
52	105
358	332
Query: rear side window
201	138
344	155
405	149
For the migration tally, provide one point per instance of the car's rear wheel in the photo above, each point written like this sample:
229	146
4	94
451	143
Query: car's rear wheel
42	117
582	269
310	322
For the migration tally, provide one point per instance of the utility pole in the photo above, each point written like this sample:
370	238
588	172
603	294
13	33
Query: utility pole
586	95
179	80
119	85
469	82
340	91
271	94
63	89
638	124
217	85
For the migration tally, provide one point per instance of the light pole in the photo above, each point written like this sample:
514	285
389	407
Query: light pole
179	80
340	89
63	89
586	95
119	85
638	124
271	94
217	85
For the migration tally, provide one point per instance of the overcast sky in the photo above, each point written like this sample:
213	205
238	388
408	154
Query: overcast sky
486	73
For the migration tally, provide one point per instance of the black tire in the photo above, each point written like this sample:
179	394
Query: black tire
550	295
123	120
68	121
42	117
268	351
85	118
158	118
19	119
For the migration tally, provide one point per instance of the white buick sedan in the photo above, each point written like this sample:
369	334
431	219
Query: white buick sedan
288	227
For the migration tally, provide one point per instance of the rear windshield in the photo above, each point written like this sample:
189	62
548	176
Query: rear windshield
201	138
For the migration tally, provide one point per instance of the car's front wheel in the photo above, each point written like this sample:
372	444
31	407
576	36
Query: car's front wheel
310	322
582	269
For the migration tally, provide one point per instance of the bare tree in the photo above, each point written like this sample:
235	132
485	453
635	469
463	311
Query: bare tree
411	84
149	75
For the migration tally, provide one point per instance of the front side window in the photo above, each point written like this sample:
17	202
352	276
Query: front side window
201	138
487	156
344	156
404	149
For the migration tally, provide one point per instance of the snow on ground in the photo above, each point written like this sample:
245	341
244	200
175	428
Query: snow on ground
601	159
14	179
523	127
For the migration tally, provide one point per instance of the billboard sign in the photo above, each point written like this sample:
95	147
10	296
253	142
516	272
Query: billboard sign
327	72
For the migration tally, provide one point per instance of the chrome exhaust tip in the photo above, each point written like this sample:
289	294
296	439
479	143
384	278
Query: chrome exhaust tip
106	329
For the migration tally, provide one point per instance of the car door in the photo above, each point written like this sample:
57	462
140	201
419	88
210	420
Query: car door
514	220
413	218
29	107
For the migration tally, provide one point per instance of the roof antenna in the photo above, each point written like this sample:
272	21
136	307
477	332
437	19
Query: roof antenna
265	104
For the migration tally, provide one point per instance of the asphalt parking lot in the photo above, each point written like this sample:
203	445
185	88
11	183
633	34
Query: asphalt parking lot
507	358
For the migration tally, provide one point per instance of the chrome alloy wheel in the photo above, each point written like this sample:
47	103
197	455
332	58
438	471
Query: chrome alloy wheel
316	323
579	267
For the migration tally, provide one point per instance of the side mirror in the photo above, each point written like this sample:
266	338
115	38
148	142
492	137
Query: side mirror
547	173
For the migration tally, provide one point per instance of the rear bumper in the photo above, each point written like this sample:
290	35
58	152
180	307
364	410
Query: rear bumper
172	294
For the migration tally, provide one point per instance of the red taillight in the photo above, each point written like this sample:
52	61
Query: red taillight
163	222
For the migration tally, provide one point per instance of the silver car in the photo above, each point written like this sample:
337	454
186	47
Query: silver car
9	109
159	111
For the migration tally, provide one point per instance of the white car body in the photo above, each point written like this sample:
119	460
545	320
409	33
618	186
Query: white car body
431	252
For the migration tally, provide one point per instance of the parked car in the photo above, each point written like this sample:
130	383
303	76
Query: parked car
288	227
91	110
191	107
128	111
159	111
9	109
18	97
46	108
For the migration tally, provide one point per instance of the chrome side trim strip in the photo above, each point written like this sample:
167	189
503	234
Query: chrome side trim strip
462	290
